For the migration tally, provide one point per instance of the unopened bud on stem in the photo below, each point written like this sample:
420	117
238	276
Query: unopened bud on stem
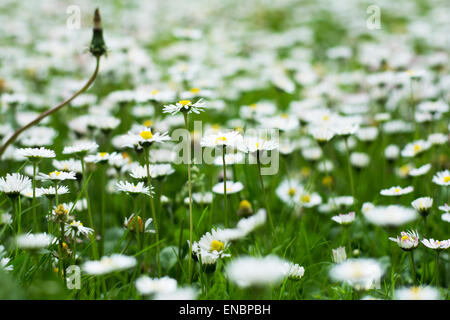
98	46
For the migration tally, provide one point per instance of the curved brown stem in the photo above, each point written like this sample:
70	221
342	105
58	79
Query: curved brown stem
52	110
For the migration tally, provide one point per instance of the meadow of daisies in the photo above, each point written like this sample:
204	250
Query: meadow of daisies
224	149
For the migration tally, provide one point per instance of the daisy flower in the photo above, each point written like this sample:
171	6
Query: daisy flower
417	293
344	219
223	139
232	187
391	152
135	222
362	274
289	190
101	157
36	154
156	171
5	219
445	208
407	240
148	286
13	184
29	193
294	271
134	189
396	191
143	136
255	144
50	192
57	176
211	247
33	242
70	165
256	272
185	106
420	171
367	134
312	153
201	198
442	178
247	225
113	263
359	159
76	228
339	255
81	148
4	264
446	217
436	244
346	128
307	199
230	159
423	205
322	134
393	215
414	148
437	138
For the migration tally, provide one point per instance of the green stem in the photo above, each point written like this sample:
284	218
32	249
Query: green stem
102	212
264	192
152	205
436	270
190	194
61	257
52	110
35	221
91	221
225	186
413	266
350	173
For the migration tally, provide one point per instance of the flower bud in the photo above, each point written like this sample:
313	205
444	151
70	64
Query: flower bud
98	46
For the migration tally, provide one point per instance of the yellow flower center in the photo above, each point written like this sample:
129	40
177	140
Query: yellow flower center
417	148
195	90
217	245
405	169
405	237
184	102
102	154
285	116
292	192
325	118
305	171
136	224
357	271
244	204
257	145
148	123
327	180
223	139
305	198
410	72
253	106
154	92
146	135
447	179
397	190
56	173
